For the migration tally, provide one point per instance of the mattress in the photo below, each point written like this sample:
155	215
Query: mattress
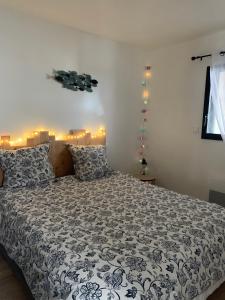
113	238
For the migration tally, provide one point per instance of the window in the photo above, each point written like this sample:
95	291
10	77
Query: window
210	129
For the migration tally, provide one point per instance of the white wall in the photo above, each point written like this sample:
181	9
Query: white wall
181	160
30	48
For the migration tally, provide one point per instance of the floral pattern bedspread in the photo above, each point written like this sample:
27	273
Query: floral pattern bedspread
112	238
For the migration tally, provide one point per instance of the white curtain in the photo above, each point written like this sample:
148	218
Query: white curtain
217	92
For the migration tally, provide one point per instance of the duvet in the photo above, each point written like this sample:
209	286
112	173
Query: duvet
113	238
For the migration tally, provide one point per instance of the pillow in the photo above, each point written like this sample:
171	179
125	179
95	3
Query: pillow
1	178
90	162
26	166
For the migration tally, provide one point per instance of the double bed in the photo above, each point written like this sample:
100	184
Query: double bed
113	238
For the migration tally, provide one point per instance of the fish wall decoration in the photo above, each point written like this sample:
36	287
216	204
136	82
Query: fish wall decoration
73	81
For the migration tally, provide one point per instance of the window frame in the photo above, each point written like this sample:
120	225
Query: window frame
205	135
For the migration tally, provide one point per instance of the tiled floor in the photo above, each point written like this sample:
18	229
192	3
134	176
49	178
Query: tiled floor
12	289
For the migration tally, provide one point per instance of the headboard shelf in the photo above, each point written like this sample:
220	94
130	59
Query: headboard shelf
74	136
59	153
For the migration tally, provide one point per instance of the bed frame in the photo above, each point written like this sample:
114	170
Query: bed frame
61	160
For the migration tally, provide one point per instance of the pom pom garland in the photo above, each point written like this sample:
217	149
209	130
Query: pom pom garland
142	136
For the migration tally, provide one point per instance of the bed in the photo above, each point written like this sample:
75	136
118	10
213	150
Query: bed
113	238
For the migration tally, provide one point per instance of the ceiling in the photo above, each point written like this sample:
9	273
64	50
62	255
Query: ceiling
151	23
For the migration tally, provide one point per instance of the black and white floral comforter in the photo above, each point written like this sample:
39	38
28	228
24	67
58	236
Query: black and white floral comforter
112	238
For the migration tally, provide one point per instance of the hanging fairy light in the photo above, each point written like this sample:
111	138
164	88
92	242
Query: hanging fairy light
142	139
39	136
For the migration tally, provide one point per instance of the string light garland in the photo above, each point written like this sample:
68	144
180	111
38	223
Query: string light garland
142	138
40	136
